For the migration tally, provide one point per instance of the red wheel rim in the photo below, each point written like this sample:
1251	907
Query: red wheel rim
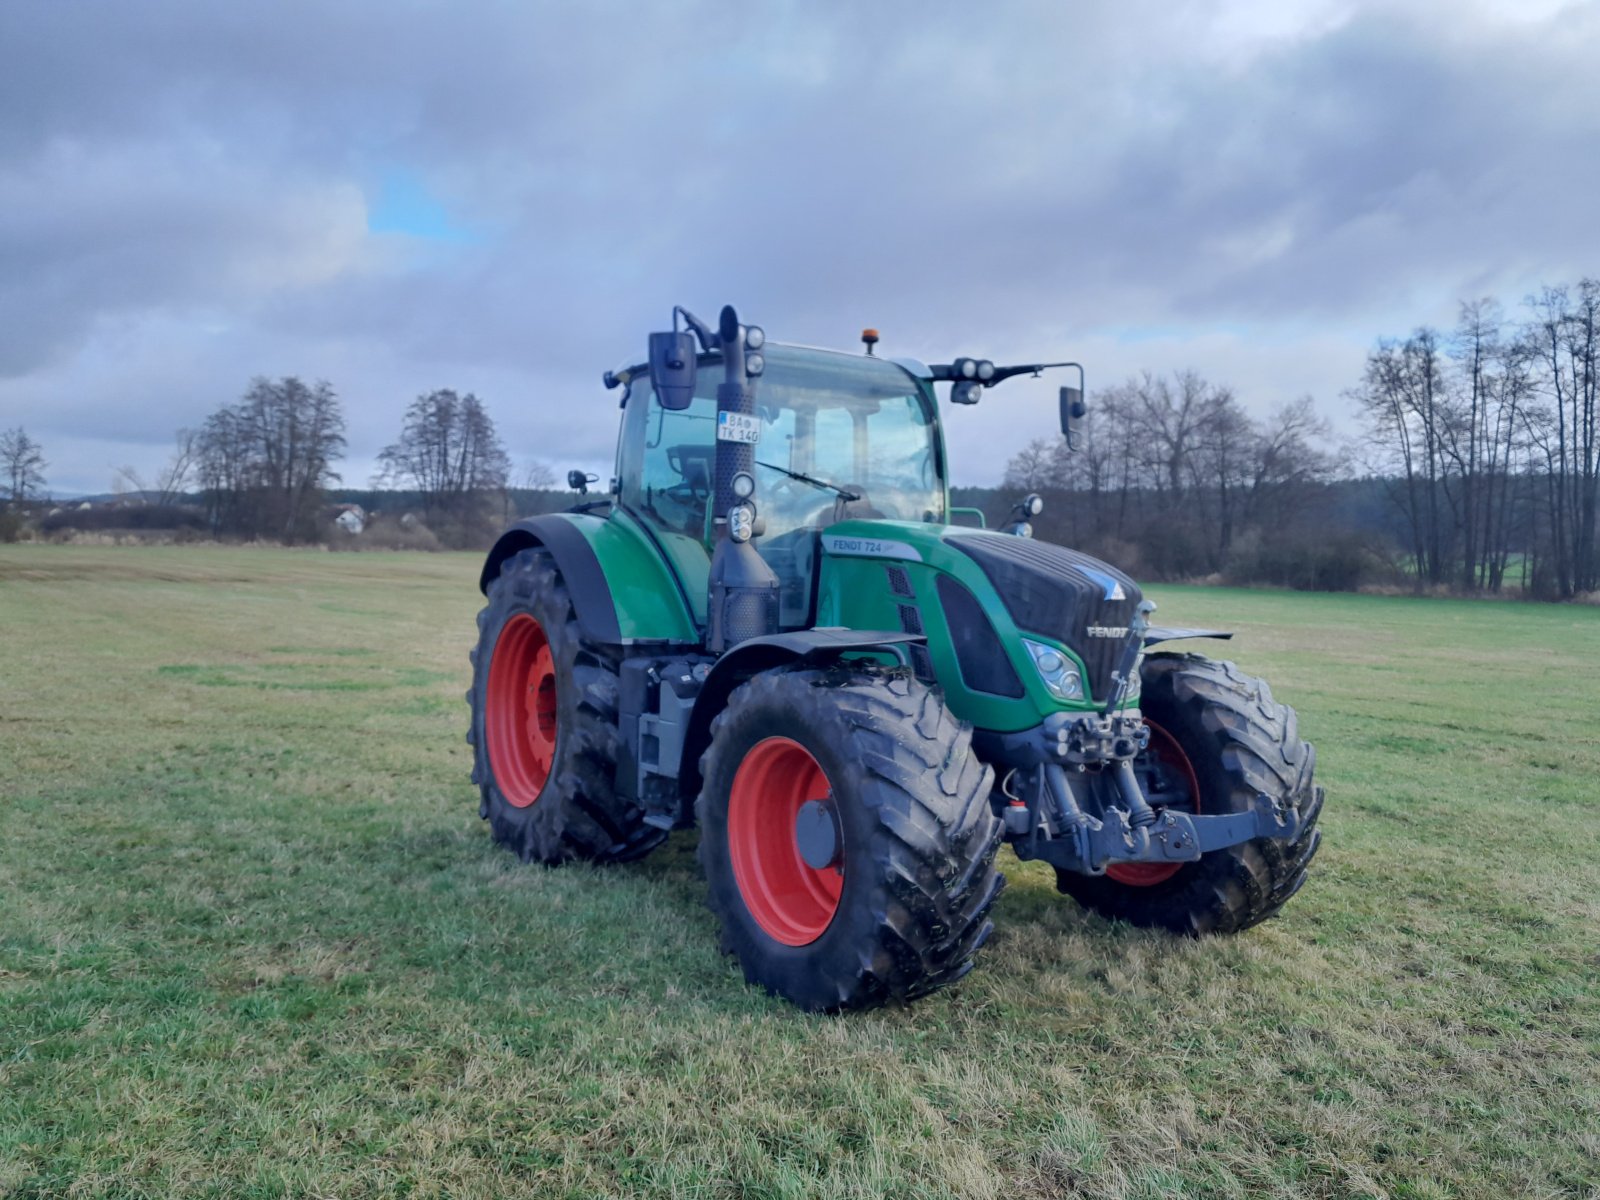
792	901
1178	772
520	710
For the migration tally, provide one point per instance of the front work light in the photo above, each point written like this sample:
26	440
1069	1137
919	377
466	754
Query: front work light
741	522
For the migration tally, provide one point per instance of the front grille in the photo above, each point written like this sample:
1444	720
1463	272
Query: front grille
1058	593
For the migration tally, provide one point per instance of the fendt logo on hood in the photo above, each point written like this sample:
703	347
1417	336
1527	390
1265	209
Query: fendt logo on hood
1107	631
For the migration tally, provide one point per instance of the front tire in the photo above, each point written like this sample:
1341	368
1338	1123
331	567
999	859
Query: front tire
887	781
544	725
1224	740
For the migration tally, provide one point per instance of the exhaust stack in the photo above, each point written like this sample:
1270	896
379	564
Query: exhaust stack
743	601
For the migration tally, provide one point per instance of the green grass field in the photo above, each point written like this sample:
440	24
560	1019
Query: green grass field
254	940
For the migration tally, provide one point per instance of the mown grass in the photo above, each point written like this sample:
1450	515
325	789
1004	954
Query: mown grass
254	940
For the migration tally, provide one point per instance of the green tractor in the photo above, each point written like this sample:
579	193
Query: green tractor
770	628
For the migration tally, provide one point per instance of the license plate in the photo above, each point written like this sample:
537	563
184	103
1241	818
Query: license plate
736	427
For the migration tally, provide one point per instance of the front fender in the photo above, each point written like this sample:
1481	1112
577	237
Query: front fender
802	646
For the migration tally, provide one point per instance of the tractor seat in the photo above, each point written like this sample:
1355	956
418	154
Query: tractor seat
846	510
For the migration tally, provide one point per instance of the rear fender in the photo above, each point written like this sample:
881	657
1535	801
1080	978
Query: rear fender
622	591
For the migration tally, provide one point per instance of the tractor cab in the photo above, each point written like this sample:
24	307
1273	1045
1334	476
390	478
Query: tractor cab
835	437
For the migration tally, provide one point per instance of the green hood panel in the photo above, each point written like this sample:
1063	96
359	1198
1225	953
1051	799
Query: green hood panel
863	565
650	606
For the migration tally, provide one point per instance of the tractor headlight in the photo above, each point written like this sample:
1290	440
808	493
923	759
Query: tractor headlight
741	522
1057	670
985	370
754	338
754	364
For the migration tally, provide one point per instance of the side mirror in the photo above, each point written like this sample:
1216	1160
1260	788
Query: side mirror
1073	410
672	369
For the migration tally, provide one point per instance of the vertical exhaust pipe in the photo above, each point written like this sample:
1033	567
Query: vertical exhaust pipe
743	600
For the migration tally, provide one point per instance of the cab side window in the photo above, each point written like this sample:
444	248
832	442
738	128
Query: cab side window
669	485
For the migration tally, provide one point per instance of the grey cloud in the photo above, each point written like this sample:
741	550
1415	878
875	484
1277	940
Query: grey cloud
184	190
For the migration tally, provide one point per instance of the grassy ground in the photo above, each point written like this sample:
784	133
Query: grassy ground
254	940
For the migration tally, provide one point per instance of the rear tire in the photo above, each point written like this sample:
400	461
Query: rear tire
905	905
544	725
1239	742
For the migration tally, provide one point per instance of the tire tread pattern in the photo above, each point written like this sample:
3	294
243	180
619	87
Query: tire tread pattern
579	815
933	844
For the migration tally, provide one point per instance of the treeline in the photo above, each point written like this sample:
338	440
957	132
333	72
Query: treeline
1475	468
1174	479
1482	443
263	466
1487	437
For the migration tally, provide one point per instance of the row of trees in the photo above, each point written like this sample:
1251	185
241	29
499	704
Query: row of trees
263	465
1483	442
1176	479
1489	438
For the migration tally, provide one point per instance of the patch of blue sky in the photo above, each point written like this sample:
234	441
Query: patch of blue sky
404	205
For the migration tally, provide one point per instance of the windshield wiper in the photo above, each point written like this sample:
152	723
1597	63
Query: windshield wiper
821	484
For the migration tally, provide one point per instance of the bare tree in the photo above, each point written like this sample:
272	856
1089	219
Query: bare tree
1035	467
22	465
264	462
1405	400
1565	423
174	478
537	476
450	453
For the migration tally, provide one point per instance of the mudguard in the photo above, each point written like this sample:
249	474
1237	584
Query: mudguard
1161	633
602	561
808	646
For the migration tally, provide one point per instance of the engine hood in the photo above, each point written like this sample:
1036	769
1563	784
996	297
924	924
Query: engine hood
1058	593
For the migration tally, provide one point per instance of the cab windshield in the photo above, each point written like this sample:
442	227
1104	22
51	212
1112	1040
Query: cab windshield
860	424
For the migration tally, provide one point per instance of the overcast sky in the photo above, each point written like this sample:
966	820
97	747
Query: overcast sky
506	197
